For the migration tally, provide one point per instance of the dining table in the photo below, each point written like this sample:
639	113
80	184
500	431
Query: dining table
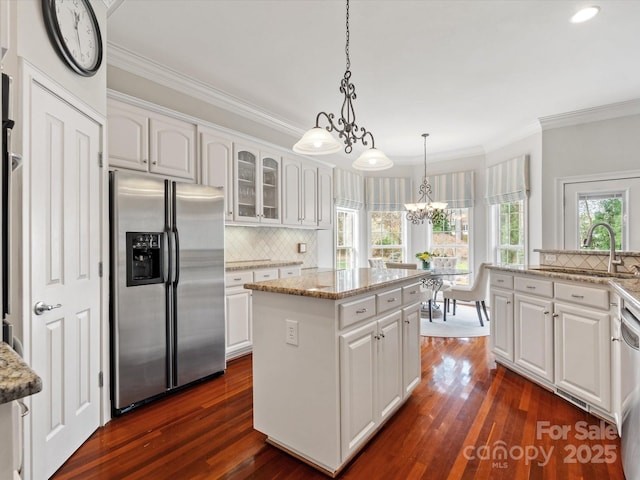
434	279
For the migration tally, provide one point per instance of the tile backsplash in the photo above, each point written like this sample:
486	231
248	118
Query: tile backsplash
273	243
588	259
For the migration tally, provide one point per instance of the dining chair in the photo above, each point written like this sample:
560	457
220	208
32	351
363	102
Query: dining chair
476	293
445	262
376	262
427	293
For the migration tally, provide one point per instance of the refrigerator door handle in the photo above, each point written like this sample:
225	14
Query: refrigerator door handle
177	253
166	258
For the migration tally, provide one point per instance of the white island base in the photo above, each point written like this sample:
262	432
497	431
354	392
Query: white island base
329	373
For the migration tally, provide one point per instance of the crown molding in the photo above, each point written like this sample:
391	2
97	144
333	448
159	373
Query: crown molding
135	64
595	114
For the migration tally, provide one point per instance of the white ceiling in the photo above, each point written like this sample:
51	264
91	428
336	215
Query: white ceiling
471	73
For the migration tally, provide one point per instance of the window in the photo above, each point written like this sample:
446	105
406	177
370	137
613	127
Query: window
346	239
511	233
450	237
387	235
601	207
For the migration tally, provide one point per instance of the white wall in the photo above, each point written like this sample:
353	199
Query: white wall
597	147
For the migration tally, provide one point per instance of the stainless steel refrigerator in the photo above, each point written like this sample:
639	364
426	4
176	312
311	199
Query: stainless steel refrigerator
166	285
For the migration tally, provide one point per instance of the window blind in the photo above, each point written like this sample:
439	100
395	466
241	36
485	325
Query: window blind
387	194
456	189
348	189
508	181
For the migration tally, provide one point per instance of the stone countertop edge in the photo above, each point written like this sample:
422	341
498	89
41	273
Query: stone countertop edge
622	253
326	284
628	288
253	264
17	380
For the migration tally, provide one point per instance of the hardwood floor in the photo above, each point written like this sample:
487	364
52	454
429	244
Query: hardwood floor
452	427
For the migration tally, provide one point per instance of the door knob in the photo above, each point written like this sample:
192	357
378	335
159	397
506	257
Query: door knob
41	307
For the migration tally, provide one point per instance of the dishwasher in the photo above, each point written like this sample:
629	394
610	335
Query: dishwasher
630	391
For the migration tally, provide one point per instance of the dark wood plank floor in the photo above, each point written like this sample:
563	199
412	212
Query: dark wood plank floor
468	419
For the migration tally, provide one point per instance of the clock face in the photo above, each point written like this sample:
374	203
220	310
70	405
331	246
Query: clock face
73	27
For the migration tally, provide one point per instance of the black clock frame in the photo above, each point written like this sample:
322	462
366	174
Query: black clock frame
55	35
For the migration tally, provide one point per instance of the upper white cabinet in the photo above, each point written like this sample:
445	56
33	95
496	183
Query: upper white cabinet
257	186
325	197
308	194
147	141
216	155
5	27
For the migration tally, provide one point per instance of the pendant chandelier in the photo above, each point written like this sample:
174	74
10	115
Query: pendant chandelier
425	208
319	141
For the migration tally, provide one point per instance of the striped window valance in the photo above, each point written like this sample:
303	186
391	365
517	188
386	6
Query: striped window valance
348	189
508	181
387	194
456	189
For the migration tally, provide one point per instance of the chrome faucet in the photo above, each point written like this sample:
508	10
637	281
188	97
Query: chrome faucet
613	261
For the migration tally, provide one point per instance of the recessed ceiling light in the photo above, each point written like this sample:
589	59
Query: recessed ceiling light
585	14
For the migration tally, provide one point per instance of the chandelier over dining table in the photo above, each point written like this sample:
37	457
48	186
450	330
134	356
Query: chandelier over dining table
319	141
425	209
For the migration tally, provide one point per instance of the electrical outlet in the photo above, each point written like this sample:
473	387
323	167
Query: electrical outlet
292	332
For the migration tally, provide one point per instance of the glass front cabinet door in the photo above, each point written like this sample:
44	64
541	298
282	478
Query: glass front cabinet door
257	193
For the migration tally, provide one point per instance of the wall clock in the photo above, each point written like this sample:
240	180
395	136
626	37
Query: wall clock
74	31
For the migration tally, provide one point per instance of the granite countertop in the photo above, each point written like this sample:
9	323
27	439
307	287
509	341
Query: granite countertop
337	284
253	264
17	380
628	289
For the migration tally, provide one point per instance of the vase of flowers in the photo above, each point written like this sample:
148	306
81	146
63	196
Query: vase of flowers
425	257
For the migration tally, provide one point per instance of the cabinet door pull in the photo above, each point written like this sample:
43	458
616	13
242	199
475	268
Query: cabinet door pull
546	312
573	295
390	300
531	287
362	310
407	321
508	302
413	292
500	280
555	315
237	279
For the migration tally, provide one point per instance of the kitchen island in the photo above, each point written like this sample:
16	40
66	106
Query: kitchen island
335	354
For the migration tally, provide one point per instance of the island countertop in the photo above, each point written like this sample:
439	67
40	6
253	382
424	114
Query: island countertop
255	264
337	284
17	380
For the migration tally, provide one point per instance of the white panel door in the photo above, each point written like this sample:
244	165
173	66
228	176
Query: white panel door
64	182
501	325
411	366
389	364
358	384
533	335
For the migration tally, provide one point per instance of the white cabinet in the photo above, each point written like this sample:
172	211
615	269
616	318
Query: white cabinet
307	194
300	197
501	325
238	314
558	333
5	27
411	359
325	197
257	186
583	353
147	141
533	335
216	157
371	378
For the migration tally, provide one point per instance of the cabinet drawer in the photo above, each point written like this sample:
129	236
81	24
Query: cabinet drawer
352	312
266	274
233	279
501	280
533	286
287	272
412	294
389	300
587	296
